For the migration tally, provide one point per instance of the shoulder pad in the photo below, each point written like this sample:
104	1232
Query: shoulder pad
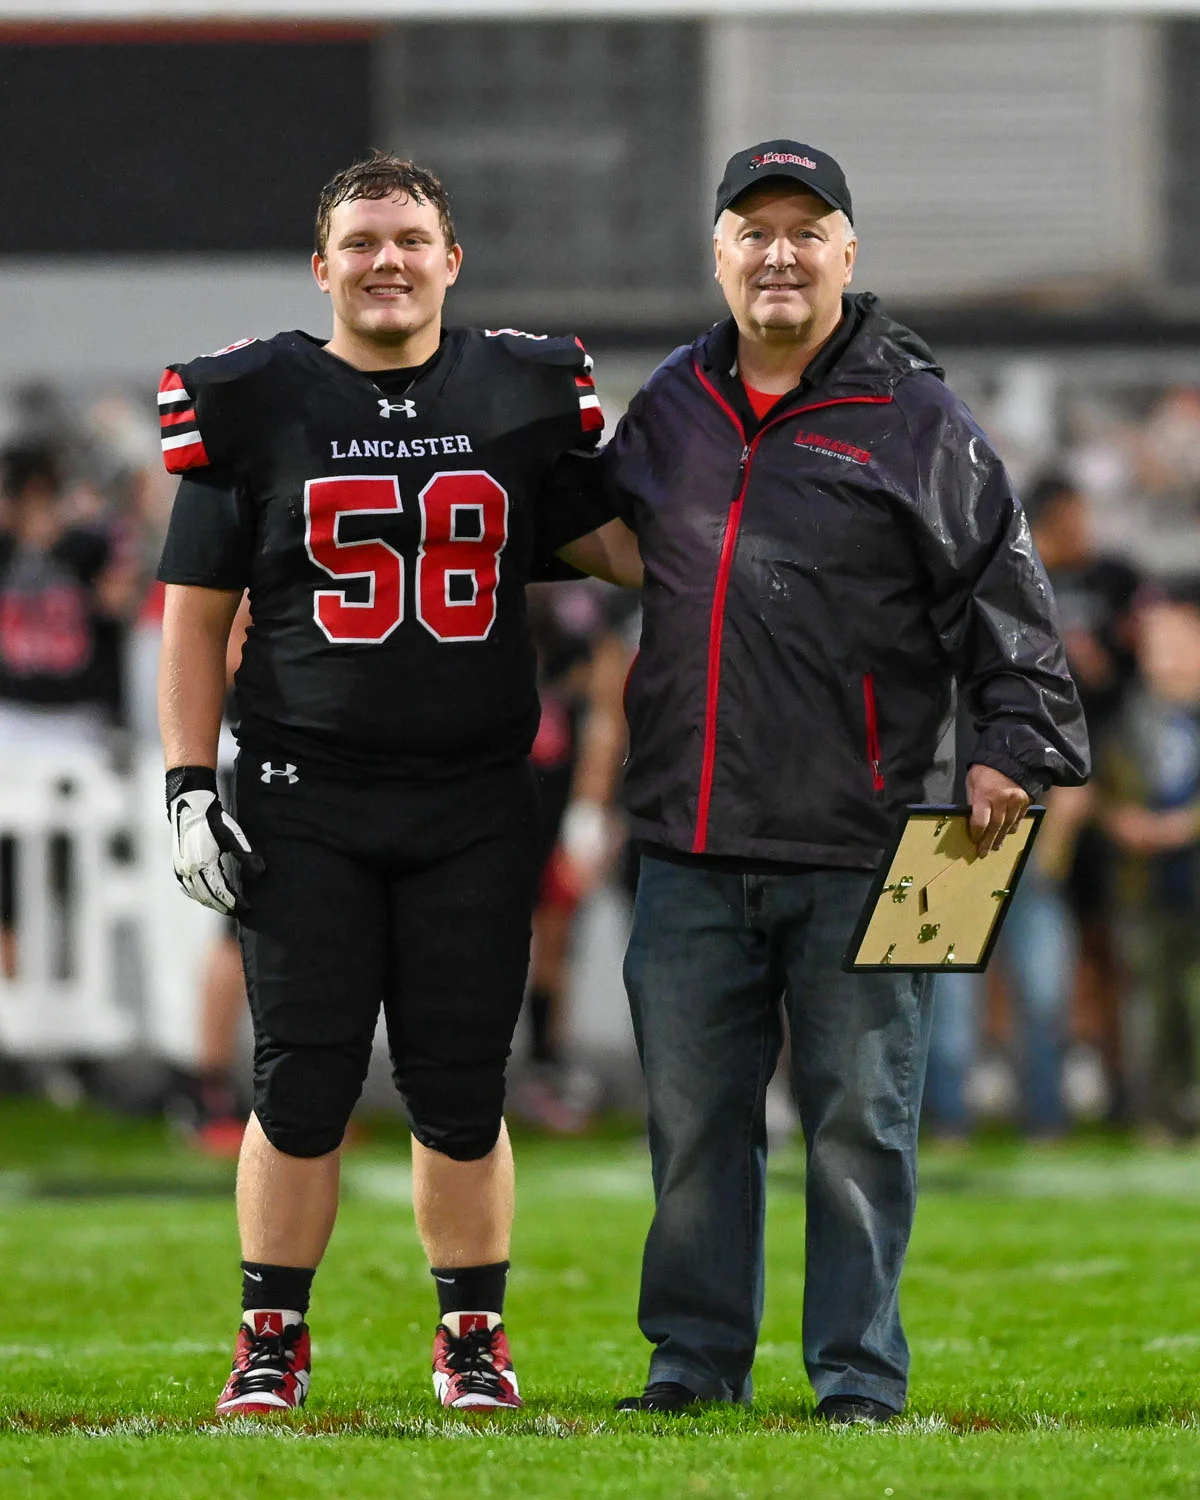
191	424
545	348
567	353
223	365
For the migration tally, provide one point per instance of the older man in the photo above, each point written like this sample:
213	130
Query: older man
830	545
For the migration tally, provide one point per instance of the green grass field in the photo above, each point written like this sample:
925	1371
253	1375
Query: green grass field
1052	1301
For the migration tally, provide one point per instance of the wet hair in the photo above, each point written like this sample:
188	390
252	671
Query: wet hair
382	175
24	464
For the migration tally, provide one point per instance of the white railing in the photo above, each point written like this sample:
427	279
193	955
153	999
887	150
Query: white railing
64	815
69	815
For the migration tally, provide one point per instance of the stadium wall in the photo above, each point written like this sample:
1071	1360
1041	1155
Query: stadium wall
1040	165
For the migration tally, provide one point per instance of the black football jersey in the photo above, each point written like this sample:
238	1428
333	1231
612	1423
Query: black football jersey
386	524
52	637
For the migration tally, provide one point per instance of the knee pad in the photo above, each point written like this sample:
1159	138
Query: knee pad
303	1096
457	1111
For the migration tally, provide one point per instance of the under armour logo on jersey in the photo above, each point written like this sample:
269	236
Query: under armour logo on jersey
288	772
386	407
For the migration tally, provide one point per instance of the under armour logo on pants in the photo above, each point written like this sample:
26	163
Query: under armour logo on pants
288	772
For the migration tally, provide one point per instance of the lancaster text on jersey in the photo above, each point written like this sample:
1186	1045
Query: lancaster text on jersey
430	447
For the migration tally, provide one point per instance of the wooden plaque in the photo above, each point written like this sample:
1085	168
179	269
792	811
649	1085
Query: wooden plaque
935	904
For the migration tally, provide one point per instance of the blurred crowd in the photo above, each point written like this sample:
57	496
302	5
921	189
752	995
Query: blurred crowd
1092	1005
1091	1008
83	506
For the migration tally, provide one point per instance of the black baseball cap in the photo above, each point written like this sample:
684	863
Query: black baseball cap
812	169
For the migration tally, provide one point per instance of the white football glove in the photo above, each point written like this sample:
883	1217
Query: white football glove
203	836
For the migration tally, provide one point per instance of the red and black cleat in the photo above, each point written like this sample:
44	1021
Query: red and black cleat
472	1368
271	1366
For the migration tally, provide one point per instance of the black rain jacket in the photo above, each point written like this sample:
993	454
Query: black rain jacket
815	584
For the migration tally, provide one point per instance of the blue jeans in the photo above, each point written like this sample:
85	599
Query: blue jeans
1039	950
711	957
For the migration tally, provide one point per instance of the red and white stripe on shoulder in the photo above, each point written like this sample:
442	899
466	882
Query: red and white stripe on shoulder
182	446
587	358
590	414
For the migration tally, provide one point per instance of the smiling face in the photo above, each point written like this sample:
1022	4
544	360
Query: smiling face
386	268
783	258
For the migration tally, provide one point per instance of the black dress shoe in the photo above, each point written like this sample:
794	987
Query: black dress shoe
846	1411
660	1395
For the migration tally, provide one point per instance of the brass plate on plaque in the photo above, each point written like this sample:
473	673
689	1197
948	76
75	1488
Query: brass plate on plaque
935	904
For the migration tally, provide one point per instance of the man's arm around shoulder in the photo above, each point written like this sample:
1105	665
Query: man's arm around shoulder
610	552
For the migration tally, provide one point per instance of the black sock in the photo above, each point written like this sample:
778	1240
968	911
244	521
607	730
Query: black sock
471	1288
541	1043
276	1286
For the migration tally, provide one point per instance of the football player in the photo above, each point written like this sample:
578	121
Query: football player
385	495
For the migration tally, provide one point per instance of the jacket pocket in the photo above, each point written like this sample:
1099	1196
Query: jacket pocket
874	752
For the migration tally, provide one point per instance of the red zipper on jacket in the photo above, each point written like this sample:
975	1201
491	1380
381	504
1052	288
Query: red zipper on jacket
724	568
874	752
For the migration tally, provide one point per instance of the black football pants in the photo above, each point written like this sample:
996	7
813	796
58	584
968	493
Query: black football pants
411	897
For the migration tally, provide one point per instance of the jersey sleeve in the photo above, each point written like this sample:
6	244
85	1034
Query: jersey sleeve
573	500
210	537
565	353
183	445
591	414
198	403
191	420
